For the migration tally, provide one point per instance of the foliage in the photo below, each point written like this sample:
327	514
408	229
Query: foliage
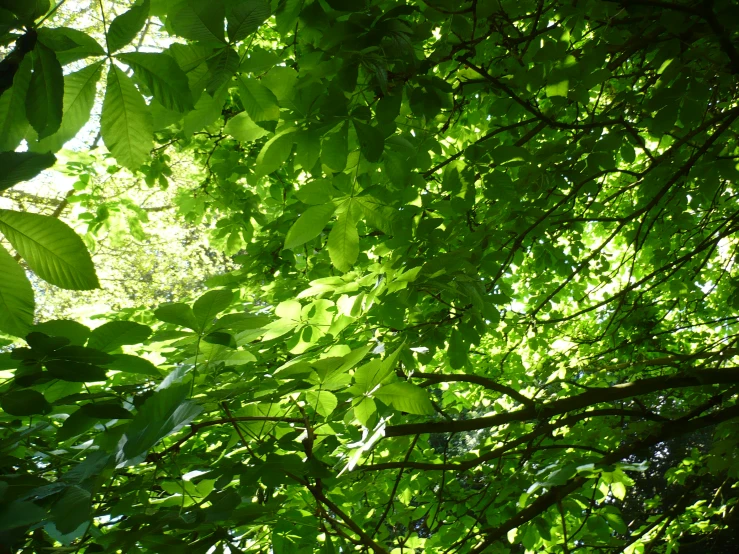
485	291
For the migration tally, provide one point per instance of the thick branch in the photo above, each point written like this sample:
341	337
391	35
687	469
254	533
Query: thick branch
553	495
579	402
477	380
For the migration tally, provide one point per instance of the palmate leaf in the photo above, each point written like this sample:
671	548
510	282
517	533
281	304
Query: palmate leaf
79	96
16	297
126	124
124	28
166	81
50	248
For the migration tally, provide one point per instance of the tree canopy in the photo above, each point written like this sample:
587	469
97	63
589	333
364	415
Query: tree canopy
473	280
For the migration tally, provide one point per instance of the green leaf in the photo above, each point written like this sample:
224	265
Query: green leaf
69	44
75	332
309	225
13	123
275	152
51	249
24	403
124	28
318	191
72	509
20	514
16	297
335	149
364	410
242	128
322	401
166	81
75	372
27	10
506	154
133	364
207	307
259	102
177	313
347	5
164	412
458	350
45	97
343	242
126	124
307	149
406	397
22	166
112	335
374	372
79	96
245	18
558	89
221	68
199	21
371	142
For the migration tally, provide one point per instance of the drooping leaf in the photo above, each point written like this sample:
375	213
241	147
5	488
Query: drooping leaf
20	514
126	124
244	18
24	402
16	297
114	334
133	364
79	97
164	412
371	142
309	225
166	81
406	397
124	28
75	372
45	99
343	242
52	250
72	509
335	149
22	166
13	123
